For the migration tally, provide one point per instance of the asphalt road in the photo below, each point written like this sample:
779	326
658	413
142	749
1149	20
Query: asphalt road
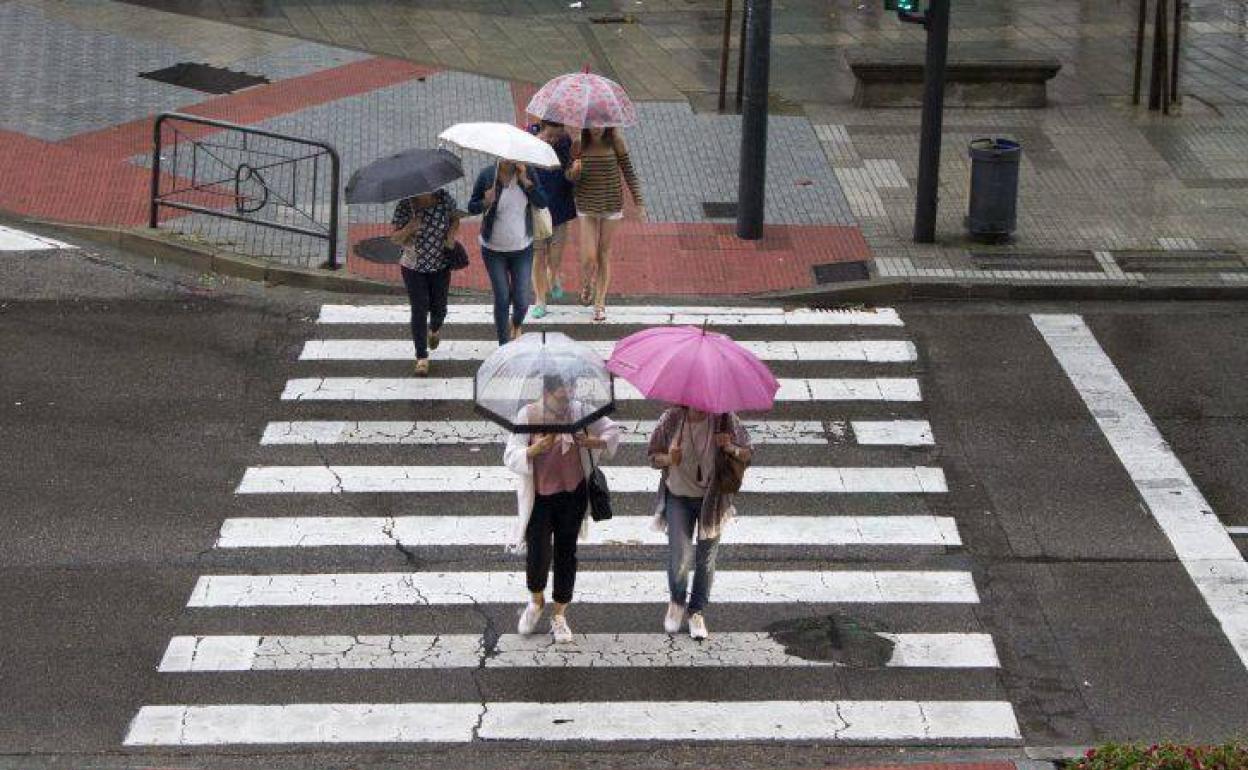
132	401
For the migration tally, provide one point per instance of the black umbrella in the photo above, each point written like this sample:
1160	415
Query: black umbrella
400	176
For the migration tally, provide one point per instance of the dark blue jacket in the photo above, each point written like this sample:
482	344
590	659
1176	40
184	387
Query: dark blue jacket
560	192
476	204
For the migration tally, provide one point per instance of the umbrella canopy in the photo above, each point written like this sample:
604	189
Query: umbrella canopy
502	140
514	376
694	367
584	100
400	176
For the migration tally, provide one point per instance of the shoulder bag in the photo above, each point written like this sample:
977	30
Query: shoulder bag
599	494
730	471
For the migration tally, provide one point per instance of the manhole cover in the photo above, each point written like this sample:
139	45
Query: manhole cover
381	250
1203	261
715	210
836	638
838	272
1022	260
205	77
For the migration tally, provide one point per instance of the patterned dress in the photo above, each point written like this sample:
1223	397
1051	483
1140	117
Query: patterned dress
424	253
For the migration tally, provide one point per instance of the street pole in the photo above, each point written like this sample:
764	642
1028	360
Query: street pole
756	48
1140	20
937	23
723	55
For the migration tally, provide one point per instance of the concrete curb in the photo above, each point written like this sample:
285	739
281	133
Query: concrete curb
167	248
883	290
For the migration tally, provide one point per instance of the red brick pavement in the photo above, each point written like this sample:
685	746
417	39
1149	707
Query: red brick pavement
89	179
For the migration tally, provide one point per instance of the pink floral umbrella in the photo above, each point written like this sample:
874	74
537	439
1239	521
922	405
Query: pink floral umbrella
694	367
583	100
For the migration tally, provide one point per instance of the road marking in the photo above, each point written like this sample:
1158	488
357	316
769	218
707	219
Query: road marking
1201	542
20	240
724	649
1237	530
762	479
594	587
419	531
642	315
460	389
333	723
473	432
868	351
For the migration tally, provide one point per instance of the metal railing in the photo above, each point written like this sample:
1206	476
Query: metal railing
246	175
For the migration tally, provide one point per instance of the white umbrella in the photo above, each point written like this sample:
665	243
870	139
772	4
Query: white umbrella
502	140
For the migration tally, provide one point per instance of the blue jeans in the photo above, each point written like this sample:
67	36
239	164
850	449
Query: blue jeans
682	519
511	275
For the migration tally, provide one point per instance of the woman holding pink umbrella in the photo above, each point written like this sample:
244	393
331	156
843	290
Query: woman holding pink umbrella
699	444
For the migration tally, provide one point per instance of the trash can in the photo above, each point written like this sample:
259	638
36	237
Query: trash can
994	189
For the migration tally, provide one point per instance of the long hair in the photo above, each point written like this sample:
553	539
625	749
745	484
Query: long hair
608	137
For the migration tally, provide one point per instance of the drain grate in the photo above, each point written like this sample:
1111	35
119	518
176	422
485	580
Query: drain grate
839	272
614	18
713	210
381	250
1201	261
1066	261
204	77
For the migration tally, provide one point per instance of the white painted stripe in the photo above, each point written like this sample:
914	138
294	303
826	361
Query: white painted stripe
418	531
460	389
868	351
335	723
893	432
20	240
1237	530
646	315
1200	541
472	432
595	587
724	649
763	479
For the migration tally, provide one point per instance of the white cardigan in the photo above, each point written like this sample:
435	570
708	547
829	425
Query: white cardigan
516	458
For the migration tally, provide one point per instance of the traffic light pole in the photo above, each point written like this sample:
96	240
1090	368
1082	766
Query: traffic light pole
756	49
936	20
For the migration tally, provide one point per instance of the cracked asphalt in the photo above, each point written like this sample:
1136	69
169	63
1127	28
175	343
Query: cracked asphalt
133	395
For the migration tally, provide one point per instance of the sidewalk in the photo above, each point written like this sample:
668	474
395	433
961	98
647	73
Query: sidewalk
1099	179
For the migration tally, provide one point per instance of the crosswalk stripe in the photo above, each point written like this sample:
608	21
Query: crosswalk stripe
20	240
726	648
460	389
648	315
415	531
596	587
763	479
867	351
478	432
336	723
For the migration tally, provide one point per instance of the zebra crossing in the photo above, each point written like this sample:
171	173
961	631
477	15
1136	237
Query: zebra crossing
362	464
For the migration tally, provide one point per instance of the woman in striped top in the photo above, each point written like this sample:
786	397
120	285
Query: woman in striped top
601	159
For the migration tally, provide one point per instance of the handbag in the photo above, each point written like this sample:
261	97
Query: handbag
729	470
599	494
543	225
456	256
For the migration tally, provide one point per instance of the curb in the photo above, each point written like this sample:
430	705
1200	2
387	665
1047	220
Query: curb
880	290
149	243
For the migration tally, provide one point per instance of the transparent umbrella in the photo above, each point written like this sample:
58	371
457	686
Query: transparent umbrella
515	376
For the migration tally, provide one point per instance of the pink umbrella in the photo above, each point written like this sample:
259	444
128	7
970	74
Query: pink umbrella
694	367
583	100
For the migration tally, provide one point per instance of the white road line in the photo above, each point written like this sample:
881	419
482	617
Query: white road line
419	531
20	240
335	723
460	389
868	351
594	587
1201	542
626	314
1237	530
473	432
763	479
724	649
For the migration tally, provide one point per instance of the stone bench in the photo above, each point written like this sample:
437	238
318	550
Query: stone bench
884	81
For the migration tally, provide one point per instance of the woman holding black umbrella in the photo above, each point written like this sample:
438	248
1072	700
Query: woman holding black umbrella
423	225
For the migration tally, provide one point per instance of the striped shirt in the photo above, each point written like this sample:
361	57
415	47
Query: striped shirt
598	190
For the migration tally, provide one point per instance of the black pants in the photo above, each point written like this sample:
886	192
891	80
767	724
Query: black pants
427	293
555	518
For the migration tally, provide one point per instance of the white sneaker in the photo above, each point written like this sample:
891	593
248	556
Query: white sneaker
560	630
697	627
674	619
529	618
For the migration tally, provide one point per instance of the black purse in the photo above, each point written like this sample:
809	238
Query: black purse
456	256
599	494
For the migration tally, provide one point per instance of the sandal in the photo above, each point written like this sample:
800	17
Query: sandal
422	367
539	311
556	291
587	294
600	313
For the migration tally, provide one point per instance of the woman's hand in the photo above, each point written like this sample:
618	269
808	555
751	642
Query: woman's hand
489	198
542	443
522	176
674	455
586	441
723	441
641	214
574	171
